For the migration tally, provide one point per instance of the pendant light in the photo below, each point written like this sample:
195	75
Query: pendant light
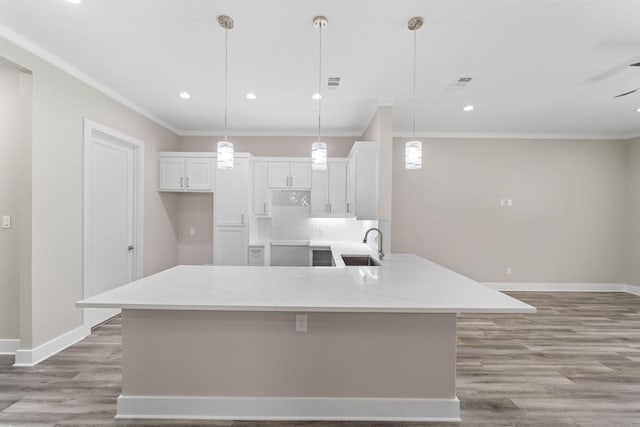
319	148
413	149
225	148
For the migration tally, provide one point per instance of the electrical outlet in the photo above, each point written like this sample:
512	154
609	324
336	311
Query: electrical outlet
192	231
509	202
301	323
502	202
6	221
508	271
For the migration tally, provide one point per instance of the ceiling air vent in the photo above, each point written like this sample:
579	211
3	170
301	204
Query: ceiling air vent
333	82
459	83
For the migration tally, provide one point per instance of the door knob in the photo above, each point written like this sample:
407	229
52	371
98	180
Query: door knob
130	247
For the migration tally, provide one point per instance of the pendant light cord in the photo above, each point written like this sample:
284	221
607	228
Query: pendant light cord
320	82
226	75
414	84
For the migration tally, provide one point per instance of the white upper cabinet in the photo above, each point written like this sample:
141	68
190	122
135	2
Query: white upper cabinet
232	194
351	186
300	173
185	172
328	190
362	178
289	174
171	174
198	174
261	202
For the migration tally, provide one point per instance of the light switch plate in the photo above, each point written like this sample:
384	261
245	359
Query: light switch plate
301	323
6	221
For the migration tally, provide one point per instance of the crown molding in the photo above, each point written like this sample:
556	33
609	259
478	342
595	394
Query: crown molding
304	133
498	135
56	61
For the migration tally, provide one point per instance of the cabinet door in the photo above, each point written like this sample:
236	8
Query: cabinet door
300	173
199	174
278	175
351	186
230	245
320	193
337	188
231	194
171	174
261	205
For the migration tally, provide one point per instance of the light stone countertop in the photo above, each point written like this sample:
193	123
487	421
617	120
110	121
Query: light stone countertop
405	283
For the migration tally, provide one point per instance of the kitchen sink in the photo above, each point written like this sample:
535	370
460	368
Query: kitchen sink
359	260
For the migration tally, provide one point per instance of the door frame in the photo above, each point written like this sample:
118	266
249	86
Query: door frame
92	129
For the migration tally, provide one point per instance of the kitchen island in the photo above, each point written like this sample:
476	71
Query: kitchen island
303	343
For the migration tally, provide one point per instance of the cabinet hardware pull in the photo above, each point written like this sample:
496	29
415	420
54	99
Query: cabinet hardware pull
187	182
130	247
181	182
348	207
265	208
242	219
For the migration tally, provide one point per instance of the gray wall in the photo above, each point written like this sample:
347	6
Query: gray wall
277	146
15	192
567	223
633	235
60	103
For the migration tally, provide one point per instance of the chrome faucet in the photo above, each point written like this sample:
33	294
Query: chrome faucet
380	253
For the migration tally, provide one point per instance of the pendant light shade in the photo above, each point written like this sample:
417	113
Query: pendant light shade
413	155
319	156
413	149
319	148
225	155
225	148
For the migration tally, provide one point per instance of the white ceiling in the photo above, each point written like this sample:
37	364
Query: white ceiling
539	67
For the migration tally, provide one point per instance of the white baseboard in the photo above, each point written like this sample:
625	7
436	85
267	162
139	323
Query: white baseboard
9	346
564	287
31	357
632	289
288	408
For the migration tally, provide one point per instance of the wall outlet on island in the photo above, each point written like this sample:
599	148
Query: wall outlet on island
301	323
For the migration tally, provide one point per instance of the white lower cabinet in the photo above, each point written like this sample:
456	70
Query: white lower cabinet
230	245
328	190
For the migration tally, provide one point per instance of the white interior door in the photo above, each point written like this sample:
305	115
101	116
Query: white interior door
110	219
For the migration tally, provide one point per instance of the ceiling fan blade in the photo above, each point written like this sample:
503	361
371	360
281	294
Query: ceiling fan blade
627	93
637	64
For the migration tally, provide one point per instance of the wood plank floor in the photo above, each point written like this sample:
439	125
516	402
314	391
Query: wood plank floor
575	363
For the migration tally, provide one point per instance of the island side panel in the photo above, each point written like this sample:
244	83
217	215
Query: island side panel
260	354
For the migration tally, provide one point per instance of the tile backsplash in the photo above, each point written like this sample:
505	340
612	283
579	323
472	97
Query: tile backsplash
291	220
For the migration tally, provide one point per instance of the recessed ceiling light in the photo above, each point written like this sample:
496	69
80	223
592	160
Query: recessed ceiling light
637	110
251	96
468	108
184	95
75	1
316	96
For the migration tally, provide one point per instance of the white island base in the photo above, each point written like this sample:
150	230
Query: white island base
251	365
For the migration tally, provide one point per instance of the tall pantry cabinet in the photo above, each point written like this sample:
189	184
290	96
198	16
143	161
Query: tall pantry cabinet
230	212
